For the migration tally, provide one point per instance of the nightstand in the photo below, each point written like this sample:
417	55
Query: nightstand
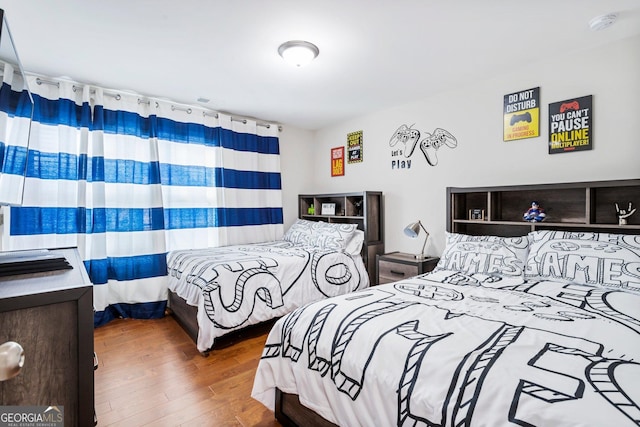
396	266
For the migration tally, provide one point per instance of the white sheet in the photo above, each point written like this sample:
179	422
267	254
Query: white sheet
237	286
446	349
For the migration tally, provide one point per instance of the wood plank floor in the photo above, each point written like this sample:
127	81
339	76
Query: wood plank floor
151	374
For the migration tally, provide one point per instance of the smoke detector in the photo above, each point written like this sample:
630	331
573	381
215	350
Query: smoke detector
599	23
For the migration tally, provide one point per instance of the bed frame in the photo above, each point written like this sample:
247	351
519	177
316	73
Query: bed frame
291	413
187	317
577	206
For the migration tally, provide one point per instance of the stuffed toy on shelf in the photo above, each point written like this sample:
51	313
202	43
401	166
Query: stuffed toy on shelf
535	213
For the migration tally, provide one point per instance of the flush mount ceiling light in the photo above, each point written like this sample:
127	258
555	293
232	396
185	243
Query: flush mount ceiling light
298	52
601	22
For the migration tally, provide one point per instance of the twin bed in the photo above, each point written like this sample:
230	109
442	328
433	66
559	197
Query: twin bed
541	329
215	291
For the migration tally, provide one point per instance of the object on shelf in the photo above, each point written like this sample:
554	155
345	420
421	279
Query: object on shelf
623	214
311	210
33	261
358	207
477	214
328	209
535	213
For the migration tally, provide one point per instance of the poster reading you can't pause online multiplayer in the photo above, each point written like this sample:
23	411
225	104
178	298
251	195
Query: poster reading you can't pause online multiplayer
571	125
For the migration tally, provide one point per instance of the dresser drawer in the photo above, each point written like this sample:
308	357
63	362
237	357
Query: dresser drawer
396	266
390	271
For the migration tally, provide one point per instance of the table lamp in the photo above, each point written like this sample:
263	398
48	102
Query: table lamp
413	230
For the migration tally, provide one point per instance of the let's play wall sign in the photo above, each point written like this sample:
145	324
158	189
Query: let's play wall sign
570	125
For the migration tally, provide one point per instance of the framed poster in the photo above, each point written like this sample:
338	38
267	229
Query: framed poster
571	125
354	147
337	161
521	115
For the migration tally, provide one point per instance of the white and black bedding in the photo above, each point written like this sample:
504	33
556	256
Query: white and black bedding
237	286
541	330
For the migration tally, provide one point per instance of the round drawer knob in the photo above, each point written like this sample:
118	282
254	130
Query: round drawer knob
11	360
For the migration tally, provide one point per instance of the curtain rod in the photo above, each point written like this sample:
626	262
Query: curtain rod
188	110
239	119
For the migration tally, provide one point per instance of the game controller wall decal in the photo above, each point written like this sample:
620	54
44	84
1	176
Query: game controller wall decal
405	139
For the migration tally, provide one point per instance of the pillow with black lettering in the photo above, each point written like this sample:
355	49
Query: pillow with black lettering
321	235
491	255
587	258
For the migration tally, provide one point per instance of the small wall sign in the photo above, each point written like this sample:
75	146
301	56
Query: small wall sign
521	115
570	125
337	161
354	147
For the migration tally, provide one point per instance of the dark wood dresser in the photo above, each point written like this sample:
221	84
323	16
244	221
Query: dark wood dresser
50	314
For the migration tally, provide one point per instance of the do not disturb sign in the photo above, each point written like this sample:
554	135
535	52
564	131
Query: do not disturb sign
521	114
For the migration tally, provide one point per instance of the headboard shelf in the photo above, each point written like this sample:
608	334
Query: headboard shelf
576	206
547	224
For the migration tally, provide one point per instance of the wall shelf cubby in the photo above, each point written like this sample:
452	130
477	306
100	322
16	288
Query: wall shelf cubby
579	206
363	208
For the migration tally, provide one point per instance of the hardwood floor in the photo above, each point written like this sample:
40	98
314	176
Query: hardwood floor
151	374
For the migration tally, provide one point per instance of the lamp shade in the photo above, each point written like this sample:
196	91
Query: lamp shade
413	230
298	52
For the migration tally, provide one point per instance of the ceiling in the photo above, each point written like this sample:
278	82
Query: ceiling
373	54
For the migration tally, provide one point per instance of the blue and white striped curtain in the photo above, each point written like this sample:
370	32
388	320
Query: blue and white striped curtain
127	179
15	115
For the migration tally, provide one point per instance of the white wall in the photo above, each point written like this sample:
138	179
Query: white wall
473	114
297	171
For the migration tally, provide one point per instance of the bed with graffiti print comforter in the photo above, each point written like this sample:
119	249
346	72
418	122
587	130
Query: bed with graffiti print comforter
237	286
453	349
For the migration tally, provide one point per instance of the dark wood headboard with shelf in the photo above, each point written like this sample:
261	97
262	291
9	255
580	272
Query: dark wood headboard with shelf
574	206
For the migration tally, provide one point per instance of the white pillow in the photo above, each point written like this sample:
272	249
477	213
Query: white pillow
484	254
354	246
323	235
587	258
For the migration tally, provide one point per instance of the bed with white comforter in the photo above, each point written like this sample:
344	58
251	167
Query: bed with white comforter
542	330
241	285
